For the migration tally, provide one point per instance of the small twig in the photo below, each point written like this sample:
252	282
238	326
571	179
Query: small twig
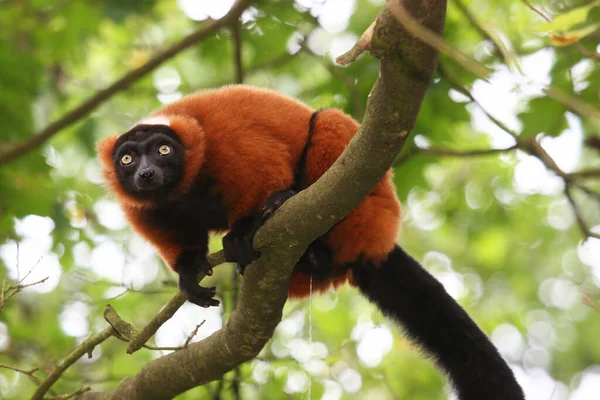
586	52
456	85
535	10
31	270
437	151
138	340
29	373
5	296
169	348
125	331
507	53
85	347
363	44
194	333
69	395
582	225
22	371
534	147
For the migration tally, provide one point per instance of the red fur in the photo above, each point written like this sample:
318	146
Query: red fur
300	284
228	134
372	228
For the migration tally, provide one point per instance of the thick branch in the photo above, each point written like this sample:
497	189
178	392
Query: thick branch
123	83
413	24
406	69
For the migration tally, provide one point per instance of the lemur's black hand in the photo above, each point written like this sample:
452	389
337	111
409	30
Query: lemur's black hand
188	265
237	244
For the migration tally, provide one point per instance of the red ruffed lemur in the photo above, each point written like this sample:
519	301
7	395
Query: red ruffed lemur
226	159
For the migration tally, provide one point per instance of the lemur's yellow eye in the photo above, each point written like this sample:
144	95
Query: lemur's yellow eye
126	159
164	149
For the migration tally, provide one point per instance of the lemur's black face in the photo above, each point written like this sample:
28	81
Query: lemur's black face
148	161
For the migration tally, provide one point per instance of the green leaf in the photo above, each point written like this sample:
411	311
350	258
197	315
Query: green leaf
568	20
544	115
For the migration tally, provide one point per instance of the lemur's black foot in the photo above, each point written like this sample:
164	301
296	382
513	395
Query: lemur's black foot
237	244
189	264
316	261
275	201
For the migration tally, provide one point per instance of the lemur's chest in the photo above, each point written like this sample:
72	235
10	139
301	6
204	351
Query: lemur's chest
189	216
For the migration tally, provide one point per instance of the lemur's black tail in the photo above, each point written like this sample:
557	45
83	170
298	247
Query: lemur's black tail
406	292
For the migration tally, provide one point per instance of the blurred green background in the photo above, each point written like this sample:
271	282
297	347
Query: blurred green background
496	229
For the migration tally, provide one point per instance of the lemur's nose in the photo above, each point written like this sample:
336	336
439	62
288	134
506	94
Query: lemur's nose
147	173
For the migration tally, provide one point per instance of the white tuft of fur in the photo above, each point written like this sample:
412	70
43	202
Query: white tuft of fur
158	120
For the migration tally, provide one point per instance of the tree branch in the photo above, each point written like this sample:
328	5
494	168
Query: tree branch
529	145
578	46
139	340
412	24
439	151
363	44
407	67
86	347
586	173
70	395
507	52
14	289
29	373
456	85
578	217
123	83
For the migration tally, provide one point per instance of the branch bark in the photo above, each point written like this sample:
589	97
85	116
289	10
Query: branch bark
123	83
407	66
